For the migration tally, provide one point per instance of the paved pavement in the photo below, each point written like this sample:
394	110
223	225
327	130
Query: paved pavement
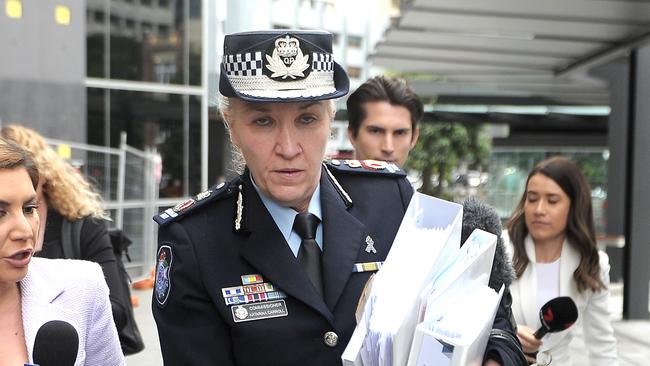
150	356
632	336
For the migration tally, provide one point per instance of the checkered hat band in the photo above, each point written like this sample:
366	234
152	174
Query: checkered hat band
244	64
316	84
322	62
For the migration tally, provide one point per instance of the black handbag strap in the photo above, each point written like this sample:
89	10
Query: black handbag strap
71	238
511	342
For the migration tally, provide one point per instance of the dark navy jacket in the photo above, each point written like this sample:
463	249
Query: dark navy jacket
216	240
217	237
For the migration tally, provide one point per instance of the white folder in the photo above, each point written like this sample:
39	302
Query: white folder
428	239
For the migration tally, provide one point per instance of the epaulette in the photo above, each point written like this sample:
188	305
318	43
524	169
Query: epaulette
366	167
182	209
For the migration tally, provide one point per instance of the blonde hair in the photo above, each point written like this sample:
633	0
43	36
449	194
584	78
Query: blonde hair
64	188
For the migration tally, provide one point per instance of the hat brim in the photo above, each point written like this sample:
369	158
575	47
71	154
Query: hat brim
341	84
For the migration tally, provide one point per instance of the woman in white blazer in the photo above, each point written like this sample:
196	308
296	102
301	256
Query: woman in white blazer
554	253
34	291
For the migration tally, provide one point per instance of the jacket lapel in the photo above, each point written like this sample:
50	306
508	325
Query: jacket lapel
39	296
343	234
569	261
528	287
266	241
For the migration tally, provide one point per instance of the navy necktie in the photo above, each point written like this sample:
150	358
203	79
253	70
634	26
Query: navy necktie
309	254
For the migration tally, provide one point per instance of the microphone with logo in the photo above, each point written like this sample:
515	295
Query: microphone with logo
556	315
56	344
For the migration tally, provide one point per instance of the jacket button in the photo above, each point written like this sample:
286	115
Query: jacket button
331	339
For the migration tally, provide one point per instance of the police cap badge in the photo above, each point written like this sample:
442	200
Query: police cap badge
281	66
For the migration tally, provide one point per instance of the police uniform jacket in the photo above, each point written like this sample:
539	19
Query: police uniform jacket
230	233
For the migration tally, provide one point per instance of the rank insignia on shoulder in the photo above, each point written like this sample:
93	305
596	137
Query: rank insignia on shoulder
184	205
190	204
163	282
366	167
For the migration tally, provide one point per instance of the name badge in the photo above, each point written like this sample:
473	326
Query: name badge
258	311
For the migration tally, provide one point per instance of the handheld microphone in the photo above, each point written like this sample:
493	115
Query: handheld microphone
56	344
479	215
557	315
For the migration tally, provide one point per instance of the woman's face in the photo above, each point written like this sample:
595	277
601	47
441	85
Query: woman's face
283	145
18	224
546	209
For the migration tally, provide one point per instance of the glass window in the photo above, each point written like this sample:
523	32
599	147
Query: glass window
95	101
194	152
509	168
163	31
101	169
98	16
95	38
153	121
164	46
115	21
195	42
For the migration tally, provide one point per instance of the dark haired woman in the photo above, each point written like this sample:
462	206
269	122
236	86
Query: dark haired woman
554	254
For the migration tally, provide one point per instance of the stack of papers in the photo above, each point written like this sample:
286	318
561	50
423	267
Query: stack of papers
424	276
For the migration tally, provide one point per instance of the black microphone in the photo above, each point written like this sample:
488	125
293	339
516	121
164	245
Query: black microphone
479	215
557	315
56	344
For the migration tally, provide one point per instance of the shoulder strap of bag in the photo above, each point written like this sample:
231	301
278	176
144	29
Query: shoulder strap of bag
71	238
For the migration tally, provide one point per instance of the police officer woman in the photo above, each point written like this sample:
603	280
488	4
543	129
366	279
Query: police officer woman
262	270
268	268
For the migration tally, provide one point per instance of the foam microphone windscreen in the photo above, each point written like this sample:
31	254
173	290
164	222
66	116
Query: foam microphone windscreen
557	315
56	344
480	215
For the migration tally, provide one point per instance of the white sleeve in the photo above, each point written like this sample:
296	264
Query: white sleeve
598	331
102	342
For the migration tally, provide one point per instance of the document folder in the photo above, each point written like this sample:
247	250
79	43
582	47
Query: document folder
419	285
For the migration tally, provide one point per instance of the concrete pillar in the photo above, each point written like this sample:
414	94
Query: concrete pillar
617	74
628	176
637	248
